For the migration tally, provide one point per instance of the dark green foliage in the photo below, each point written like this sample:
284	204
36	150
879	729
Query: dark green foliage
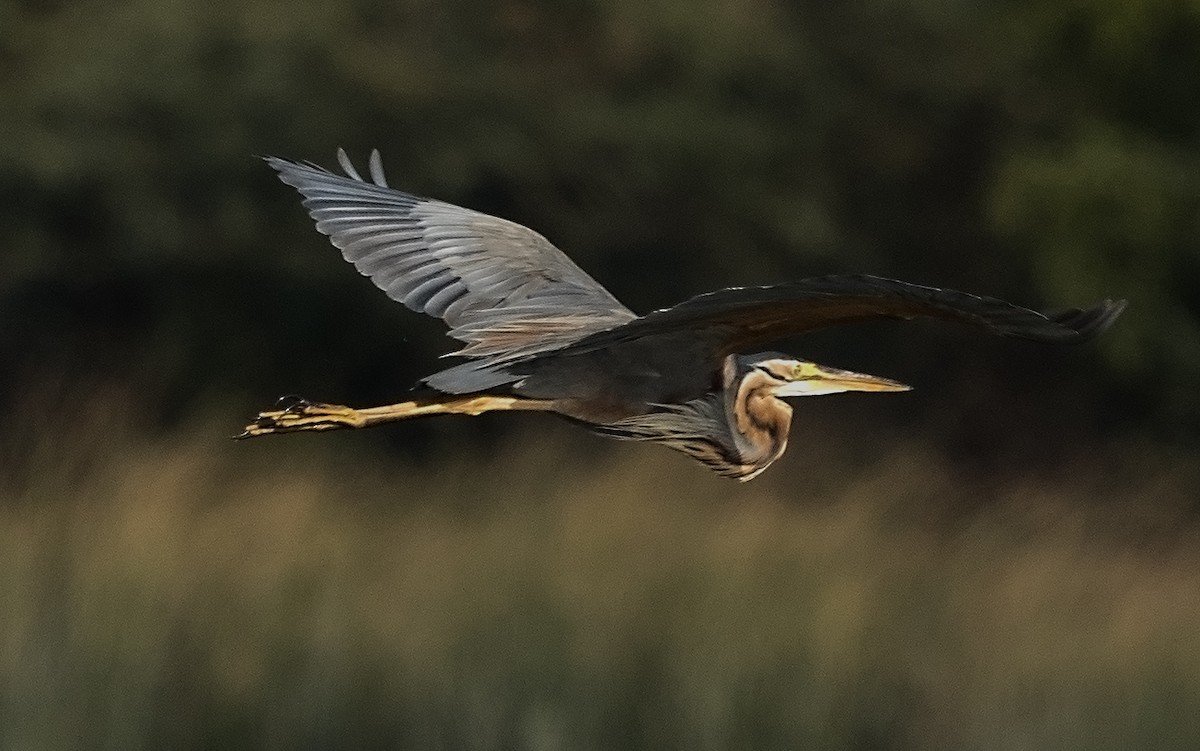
1043	153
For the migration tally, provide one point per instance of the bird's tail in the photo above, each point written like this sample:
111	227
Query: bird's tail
294	414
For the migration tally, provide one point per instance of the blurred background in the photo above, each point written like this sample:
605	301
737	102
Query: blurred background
1008	557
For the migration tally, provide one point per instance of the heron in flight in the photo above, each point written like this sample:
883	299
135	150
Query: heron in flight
542	335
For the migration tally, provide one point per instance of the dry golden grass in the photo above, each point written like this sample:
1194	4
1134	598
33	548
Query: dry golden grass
184	591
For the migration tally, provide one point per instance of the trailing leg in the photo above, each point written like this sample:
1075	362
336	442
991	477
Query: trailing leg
302	414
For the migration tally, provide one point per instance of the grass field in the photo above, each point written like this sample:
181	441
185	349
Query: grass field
182	591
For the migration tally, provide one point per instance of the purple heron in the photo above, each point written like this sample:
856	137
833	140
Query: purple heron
542	335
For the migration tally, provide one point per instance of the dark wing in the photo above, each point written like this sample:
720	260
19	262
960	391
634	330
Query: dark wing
502	288
729	320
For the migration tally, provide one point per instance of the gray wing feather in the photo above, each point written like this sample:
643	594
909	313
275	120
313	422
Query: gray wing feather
502	288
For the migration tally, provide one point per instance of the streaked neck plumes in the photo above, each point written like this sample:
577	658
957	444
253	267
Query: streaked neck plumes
701	429
737	431
760	421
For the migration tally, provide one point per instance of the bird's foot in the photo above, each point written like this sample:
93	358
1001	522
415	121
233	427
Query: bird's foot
293	414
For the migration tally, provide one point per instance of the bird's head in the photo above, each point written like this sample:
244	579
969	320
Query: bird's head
786	376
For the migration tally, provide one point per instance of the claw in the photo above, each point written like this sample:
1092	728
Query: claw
294	413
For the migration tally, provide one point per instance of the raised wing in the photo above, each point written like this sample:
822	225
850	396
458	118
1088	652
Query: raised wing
729	320
502	288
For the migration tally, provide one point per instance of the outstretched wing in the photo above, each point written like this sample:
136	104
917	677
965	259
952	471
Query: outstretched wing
729	320
502	288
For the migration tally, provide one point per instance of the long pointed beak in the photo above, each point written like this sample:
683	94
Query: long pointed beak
816	379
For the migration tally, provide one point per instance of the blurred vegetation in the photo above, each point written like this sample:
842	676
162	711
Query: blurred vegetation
1006	558
181	593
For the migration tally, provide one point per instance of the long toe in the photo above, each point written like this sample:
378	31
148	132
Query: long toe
302	415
